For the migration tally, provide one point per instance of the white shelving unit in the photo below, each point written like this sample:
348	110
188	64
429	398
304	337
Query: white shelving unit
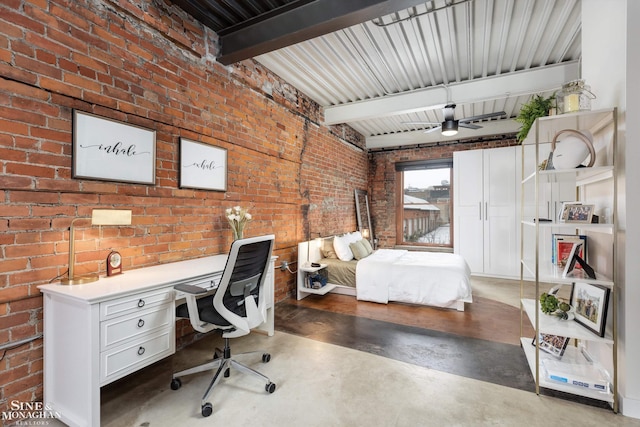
542	191
303	280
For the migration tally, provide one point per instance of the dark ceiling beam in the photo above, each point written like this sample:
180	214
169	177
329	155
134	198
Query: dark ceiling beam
300	21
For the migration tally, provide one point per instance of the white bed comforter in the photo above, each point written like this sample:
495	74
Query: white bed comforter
429	278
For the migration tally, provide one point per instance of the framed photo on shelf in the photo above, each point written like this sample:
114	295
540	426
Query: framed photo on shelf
552	344
562	245
109	150
577	212
572	258
202	166
564	212
591	303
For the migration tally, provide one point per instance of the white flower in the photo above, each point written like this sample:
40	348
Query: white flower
238	218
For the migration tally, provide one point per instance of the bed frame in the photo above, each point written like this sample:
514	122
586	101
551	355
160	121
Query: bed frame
309	252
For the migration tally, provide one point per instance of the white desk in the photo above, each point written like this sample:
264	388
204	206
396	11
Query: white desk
97	333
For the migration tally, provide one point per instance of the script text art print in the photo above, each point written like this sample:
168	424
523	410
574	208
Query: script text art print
109	150
202	166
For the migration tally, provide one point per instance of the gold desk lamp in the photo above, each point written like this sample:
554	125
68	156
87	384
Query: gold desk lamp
98	217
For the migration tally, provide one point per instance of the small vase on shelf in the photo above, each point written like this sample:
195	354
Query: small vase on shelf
237	234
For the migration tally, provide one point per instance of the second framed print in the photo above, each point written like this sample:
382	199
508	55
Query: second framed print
202	166
591	302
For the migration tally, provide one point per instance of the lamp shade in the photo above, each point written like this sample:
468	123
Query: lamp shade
111	217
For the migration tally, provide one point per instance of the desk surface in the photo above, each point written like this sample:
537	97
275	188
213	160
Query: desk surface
134	281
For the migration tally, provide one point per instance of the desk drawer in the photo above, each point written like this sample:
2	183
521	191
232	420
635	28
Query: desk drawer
117	330
135	303
128	358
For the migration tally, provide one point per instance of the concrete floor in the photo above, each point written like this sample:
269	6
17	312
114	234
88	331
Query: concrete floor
321	384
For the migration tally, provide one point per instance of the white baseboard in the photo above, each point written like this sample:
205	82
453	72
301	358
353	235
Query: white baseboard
630	407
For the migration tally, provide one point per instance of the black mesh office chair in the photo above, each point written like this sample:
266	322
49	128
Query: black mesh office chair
237	306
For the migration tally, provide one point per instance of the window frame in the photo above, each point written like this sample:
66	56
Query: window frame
401	168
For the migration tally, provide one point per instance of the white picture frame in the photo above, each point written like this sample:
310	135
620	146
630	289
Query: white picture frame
202	166
108	150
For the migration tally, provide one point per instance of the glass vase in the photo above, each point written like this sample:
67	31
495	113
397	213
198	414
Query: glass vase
237	234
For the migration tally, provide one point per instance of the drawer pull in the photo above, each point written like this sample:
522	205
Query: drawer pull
140	351
140	323
141	303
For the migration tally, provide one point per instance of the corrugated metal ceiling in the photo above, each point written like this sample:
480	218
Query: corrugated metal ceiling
483	55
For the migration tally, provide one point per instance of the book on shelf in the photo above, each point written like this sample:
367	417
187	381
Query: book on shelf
577	374
561	247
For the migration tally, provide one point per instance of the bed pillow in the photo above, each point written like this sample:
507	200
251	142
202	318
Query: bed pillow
358	250
341	246
367	246
355	236
327	248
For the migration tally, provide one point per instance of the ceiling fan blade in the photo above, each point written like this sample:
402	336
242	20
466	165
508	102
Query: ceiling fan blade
469	125
420	123
483	116
433	129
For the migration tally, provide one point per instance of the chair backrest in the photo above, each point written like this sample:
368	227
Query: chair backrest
240	298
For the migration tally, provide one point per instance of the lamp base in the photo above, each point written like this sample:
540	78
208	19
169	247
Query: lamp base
79	280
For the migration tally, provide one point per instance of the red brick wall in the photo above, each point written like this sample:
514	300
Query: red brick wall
383	180
146	63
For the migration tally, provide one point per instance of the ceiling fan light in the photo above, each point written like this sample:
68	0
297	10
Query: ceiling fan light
449	127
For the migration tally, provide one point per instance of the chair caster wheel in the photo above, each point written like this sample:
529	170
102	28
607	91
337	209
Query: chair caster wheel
176	383
207	409
270	387
266	357
227	373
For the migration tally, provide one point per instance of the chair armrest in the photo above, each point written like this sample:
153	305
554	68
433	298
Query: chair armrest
190	289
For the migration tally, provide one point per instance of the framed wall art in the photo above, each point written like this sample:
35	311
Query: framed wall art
591	303
109	150
202	166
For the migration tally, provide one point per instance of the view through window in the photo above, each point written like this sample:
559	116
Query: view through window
426	215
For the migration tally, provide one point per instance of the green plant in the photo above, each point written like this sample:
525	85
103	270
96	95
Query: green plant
549	304
538	106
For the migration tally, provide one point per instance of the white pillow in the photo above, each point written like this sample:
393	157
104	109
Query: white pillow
355	236
341	246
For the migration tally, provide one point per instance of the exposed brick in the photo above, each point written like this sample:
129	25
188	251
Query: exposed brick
294	174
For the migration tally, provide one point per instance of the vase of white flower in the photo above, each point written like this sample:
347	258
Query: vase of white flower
238	218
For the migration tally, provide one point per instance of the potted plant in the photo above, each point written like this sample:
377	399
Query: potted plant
538	106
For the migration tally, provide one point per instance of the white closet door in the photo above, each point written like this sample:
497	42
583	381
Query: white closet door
468	208
501	249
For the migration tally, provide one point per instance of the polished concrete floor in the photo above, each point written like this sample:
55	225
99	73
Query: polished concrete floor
320	383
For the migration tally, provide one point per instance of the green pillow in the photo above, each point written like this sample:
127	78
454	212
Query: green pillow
367	246
358	249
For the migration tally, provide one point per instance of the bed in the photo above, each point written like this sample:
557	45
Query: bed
392	275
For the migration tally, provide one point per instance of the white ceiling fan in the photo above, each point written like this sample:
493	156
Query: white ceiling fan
450	125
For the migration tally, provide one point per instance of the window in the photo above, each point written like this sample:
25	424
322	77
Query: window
424	217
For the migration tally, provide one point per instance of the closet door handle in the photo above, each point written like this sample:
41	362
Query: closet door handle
480	210
486	211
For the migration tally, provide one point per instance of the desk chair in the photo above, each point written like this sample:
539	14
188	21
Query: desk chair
235	307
